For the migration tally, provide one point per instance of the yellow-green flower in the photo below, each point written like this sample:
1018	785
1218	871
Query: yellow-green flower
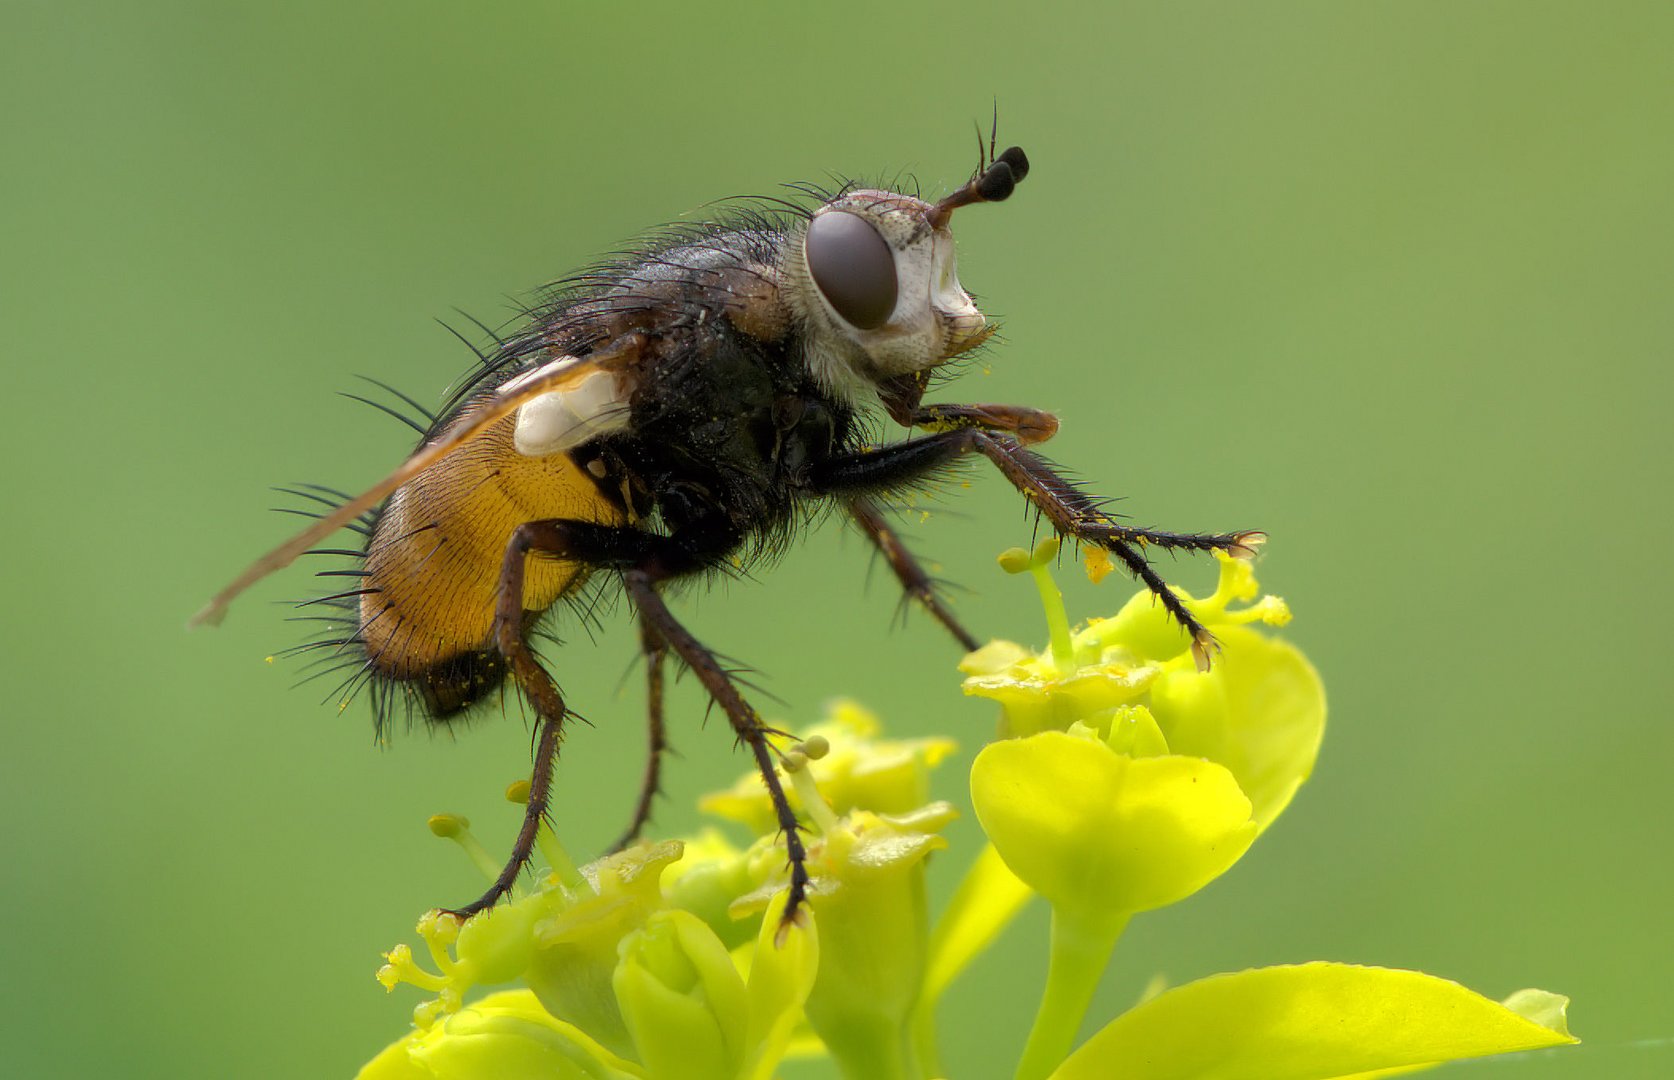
508	1036
867	887
684	1003
1259	712
620	984
861	771
1123	785
712	874
576	946
483	951
1127	777
1104	835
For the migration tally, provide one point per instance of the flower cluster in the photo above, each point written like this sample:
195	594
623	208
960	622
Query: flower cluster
1124	778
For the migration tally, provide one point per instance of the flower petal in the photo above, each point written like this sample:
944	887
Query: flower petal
506	1035
1261	713
1317	1021
1102	835
781	974
681	998
861	770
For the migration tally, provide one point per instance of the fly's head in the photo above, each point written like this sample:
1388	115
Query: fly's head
874	279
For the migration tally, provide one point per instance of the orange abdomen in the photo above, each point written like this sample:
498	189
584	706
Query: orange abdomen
433	561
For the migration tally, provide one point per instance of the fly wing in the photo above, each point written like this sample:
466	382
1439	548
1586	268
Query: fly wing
561	374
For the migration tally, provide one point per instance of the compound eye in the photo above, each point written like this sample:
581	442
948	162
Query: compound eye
853	267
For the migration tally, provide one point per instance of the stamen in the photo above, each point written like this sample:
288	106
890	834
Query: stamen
820	814
401	968
457	828
440	930
1015	561
563	867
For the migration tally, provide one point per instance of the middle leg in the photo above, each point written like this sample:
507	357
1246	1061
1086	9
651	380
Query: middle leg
656	652
1028	425
920	585
642	590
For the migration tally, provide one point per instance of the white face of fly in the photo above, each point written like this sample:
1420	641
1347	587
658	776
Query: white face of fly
877	290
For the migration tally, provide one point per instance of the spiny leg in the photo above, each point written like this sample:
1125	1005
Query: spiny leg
585	542
919	585
1073	514
1066	506
543	694
642	590
1030	426
1027	424
656	652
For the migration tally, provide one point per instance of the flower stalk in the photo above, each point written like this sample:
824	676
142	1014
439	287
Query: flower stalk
1079	954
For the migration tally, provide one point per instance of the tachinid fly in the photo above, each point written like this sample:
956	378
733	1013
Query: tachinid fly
683	412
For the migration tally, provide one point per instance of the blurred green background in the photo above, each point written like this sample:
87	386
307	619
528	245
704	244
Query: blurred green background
1388	280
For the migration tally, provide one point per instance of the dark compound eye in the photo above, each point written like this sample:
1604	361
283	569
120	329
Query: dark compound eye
853	267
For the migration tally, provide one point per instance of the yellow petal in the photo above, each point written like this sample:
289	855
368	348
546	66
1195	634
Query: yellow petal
1261	714
681	998
1103	835
506	1035
782	970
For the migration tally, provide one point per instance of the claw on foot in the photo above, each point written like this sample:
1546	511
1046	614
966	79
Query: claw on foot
795	916
1204	646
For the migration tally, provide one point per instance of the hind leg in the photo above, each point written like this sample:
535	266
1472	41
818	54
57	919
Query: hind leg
591	545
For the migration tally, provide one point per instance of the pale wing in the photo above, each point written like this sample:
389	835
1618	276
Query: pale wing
556	375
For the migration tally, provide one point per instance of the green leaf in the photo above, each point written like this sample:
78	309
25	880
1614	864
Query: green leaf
1318	1021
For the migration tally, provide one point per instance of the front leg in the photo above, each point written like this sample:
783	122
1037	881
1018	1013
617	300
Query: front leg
1029	425
1069	509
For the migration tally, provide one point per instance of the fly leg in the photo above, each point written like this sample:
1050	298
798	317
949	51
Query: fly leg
1028	425
656	652
1070	510
583	542
919	585
642	590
